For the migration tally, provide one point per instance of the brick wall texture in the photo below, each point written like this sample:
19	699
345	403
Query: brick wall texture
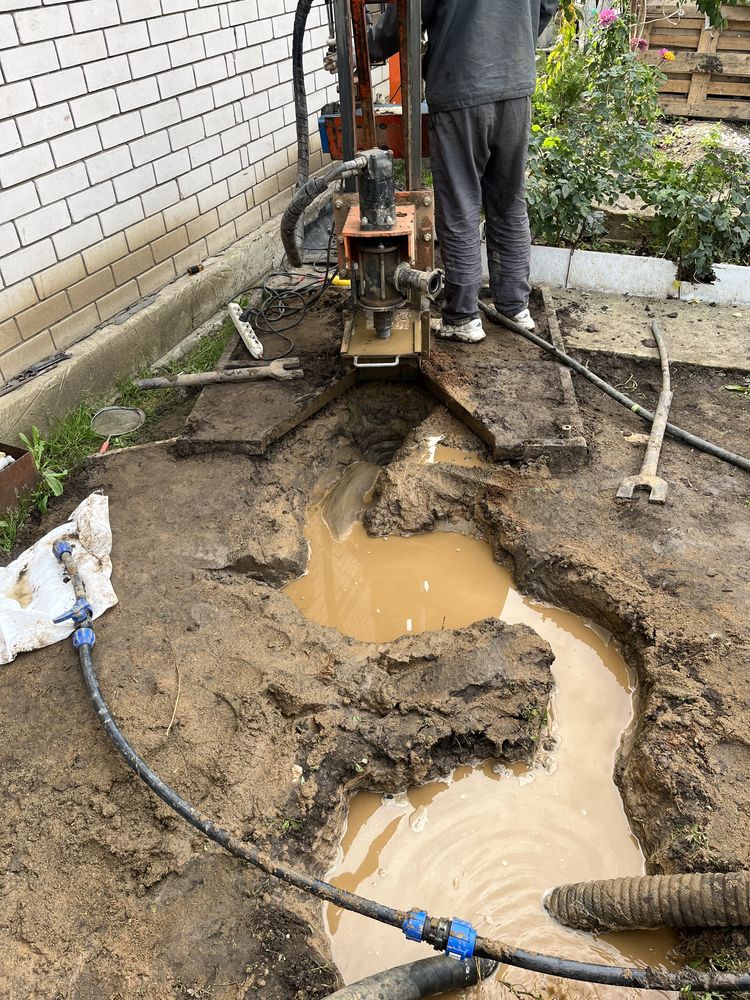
137	137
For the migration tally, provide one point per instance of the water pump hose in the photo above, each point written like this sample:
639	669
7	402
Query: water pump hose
672	429
304	196
300	107
426	978
417	925
693	900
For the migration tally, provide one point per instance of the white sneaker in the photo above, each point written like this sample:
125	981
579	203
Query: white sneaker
470	331
525	320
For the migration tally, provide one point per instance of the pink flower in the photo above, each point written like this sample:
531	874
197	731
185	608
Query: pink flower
607	17
639	44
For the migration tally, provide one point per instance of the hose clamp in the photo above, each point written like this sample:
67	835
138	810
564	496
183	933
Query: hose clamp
461	940
413	926
83	637
79	614
59	548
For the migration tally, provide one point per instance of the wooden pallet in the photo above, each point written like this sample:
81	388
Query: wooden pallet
710	76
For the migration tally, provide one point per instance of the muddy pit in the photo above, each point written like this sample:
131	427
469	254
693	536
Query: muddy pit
105	894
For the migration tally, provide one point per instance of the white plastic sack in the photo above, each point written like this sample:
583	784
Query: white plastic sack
32	591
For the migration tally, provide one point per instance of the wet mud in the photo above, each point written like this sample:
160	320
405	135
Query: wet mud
280	720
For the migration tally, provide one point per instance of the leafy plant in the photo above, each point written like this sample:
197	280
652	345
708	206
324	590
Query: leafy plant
52	478
702	211
595	113
744	388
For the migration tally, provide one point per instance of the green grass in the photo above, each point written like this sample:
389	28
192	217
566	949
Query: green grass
71	440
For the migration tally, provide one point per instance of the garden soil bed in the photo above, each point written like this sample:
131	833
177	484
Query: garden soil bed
105	894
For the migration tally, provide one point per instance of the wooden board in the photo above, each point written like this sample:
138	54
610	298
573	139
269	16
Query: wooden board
710	75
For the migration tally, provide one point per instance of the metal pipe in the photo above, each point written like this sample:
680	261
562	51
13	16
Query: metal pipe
410	37
430	283
342	20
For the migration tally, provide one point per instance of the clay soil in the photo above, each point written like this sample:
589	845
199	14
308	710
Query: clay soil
105	894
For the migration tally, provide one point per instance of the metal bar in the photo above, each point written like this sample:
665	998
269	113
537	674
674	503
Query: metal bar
342	18
364	73
410	37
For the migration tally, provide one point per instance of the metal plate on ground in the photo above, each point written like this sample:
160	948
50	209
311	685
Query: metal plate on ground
405	339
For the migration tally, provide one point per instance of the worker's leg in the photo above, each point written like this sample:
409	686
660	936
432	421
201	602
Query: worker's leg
507	220
459	152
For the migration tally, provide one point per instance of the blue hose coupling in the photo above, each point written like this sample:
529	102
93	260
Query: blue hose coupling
461	940
413	926
60	547
83	637
79	614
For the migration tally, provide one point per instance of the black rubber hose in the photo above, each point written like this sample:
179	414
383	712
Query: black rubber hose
676	432
304	196
696	900
300	108
428	977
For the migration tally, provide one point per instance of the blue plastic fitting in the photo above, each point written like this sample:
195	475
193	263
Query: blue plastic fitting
83	637
80	613
413	926
461	940
59	547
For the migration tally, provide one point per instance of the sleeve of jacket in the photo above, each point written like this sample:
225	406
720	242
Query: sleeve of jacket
382	38
547	10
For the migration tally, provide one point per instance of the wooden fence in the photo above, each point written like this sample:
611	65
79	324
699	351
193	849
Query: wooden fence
710	76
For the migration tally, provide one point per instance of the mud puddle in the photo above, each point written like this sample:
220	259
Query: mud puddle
435	453
487	842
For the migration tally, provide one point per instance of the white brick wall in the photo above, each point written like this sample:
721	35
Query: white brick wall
136	137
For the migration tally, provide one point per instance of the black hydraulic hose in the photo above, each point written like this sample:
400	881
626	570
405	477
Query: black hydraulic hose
429	977
437	932
676	432
300	107
304	196
711	899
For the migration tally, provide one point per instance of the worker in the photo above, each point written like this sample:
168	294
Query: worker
480	73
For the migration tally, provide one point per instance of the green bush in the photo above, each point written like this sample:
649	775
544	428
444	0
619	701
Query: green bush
595	114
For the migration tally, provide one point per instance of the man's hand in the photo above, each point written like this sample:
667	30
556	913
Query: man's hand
330	59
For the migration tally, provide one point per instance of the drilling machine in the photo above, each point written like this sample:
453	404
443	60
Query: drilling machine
385	238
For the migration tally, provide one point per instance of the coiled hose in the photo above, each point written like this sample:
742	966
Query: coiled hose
434	931
672	429
427	978
300	109
304	196
710	900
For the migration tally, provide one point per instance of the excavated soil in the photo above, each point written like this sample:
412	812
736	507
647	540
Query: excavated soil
105	894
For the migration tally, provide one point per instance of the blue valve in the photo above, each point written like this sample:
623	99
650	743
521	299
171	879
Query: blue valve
413	926
79	614
83	637
461	940
60	547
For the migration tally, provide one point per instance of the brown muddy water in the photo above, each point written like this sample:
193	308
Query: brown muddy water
485	843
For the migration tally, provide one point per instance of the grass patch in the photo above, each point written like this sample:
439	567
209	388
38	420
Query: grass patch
71	440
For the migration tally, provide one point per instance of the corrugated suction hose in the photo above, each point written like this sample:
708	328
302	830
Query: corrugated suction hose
703	900
426	978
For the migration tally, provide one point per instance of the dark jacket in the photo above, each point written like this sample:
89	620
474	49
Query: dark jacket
478	51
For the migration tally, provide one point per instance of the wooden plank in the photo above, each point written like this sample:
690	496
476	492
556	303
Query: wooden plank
729	89
710	108
729	42
729	64
670	39
706	46
675	87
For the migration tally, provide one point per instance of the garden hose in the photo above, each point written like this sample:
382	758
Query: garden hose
429	977
676	432
700	900
457	938
300	108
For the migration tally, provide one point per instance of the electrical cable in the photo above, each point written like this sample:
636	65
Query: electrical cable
672	429
455	937
279	308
